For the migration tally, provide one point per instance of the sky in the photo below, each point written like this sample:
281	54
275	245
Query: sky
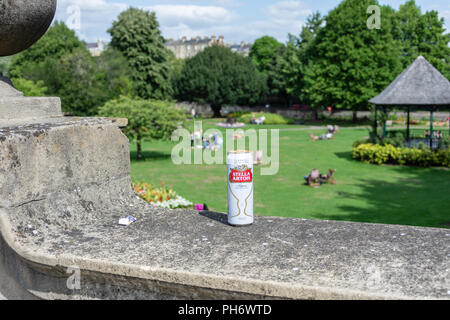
236	20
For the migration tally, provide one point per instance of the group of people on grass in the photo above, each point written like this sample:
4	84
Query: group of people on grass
213	141
332	130
315	178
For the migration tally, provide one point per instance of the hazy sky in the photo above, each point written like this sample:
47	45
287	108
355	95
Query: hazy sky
237	20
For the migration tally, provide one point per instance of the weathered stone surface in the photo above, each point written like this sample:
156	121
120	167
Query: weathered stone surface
23	22
194	255
7	88
13	105
65	183
41	158
29	108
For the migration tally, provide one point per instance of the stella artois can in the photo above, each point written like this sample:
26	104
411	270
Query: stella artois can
240	188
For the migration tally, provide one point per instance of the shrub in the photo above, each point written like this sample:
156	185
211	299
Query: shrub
239	114
271	118
388	154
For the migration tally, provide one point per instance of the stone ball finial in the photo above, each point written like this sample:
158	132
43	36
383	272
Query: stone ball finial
23	22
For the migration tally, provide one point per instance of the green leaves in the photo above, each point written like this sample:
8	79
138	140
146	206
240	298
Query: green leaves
60	65
422	34
57	42
30	88
347	63
263	52
137	36
218	76
147	119
388	154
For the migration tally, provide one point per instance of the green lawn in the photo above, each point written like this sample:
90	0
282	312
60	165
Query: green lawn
364	193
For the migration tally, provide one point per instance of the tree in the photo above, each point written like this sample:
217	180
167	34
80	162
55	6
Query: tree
74	79
422	34
308	87
61	63
137	36
30	88
4	65
113	71
348	63
263	52
56	43
314	23
219	77
147	119
284	73
176	67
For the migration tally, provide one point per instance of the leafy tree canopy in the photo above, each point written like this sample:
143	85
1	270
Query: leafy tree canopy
263	52
147	119
219	77
348	62
56	43
137	36
422	34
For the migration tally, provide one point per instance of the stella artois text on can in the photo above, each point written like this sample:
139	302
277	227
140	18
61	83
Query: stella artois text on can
240	188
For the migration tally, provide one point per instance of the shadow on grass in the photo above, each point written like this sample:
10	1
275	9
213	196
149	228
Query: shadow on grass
339	122
150	155
345	155
419	199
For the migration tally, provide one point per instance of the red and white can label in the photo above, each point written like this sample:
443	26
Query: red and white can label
237	176
240	188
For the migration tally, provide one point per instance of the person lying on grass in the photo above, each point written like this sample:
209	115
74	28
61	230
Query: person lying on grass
327	136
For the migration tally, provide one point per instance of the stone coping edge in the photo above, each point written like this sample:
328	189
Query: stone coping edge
232	284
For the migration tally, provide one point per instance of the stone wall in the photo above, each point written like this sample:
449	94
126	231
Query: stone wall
206	111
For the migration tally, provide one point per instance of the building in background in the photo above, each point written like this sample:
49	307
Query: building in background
96	48
243	48
184	48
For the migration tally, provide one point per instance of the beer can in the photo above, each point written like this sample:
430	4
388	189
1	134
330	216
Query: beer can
240	188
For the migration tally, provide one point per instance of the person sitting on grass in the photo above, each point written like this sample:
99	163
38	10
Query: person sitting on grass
316	179
328	178
257	157
333	129
260	121
230	119
313	179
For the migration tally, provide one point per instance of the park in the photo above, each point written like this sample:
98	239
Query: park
363	193
312	169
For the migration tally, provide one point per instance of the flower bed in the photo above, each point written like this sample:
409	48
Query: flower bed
161	197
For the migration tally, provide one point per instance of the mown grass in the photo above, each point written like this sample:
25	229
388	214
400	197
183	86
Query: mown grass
363	193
